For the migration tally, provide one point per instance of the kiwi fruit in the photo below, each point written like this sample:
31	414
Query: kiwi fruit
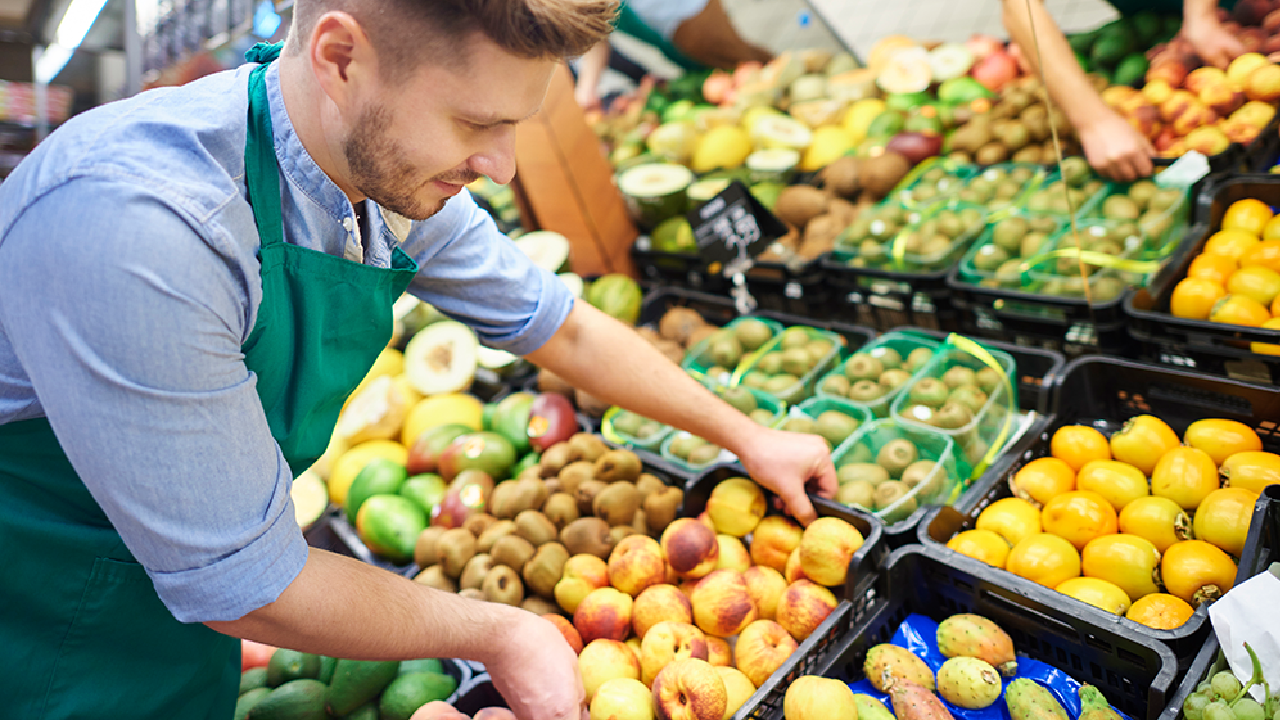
495	531
511	497
576	473
834	427
535	527
724	350
894	492
586	496
990	257
512	551
545	569
917	359
678	324
473	574
970	396
1120	207
796	361
502	585
617	503
834	384
648	484
929	391
752	333
555	459
740	399
769	363
863	367
920	474
799	424
618	466
617	534
859	493
587	536
540	606
589	447
895	456
560	509
425	551
867	472
661	507
454	548
477	523
435	577
682	445
866	391
952	416
988	380
959	376
993	153
705	454
760	416
472	594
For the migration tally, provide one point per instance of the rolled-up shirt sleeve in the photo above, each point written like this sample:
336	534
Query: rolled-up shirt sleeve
128	315
473	273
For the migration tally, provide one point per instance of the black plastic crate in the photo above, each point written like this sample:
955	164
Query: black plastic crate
1134	672
1103	393
686	270
1259	552
885	299
1212	347
782	288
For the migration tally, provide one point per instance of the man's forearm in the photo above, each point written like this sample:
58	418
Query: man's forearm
1199	11
1061	74
341	607
607	359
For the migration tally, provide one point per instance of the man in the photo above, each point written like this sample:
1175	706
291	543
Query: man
190	282
693	34
1111	145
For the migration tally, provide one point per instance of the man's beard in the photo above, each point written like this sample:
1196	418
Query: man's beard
380	172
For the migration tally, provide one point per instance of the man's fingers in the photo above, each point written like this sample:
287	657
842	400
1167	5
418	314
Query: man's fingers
799	507
828	482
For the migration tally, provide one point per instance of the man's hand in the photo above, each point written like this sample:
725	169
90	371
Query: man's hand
1211	42
1115	149
536	671
790	464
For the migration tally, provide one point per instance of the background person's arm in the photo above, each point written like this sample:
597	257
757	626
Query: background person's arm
1110	144
1211	42
591	68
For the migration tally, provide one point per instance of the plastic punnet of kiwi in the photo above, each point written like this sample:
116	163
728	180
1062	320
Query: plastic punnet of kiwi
692	451
633	429
892	471
787	367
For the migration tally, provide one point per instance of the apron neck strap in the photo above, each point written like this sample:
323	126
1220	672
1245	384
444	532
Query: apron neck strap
262	174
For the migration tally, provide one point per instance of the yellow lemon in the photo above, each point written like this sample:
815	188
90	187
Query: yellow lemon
724	147
859	116
828	144
346	467
437	410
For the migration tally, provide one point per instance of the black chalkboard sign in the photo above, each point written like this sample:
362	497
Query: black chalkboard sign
733	225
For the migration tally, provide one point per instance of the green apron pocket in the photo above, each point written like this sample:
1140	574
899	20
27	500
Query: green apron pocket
125	655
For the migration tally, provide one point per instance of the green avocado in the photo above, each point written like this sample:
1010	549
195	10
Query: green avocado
886	124
1131	71
962	90
1113	43
903	102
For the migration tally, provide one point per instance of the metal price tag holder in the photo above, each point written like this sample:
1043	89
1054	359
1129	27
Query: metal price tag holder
731	229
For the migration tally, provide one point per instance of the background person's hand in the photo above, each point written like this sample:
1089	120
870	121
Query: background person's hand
535	669
790	464
1212	43
1115	149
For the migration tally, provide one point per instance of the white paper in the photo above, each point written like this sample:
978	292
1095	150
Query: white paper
1250	613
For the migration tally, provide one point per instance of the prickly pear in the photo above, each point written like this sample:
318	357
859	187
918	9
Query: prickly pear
886	664
912	702
1027	700
870	708
969	682
968	635
1093	706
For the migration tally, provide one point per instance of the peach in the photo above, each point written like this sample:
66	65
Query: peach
1200	78
437	710
773	540
765	585
738	688
826	548
1146	120
1239	131
718	651
733	554
803	607
622	699
636	563
566	629
1178	103
1263	84
633	642
1257	113
762	648
581	575
1192	119
668	641
1239	70
689	689
794	571
690	547
817	698
1171	71
658	603
721	604
603	660
736	506
605	613
1156	91
1164	139
1117	94
1207	140
1175	150
1221	98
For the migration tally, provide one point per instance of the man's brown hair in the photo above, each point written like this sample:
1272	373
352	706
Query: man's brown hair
408	32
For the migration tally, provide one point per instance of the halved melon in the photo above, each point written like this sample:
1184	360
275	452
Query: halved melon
907	71
442	358
950	60
548	250
655	192
310	498
777	131
574	283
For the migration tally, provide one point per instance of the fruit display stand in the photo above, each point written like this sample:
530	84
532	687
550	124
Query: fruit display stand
1135	673
1260	552
1215	347
1103	393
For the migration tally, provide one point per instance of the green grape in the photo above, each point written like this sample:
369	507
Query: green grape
1218	710
1204	688
1225	685
1193	706
1246	708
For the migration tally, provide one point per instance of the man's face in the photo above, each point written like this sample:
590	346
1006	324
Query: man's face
416	144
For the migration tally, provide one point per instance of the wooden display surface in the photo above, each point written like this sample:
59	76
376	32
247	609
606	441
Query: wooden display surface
564	183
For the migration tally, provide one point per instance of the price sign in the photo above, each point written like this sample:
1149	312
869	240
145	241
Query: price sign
733	225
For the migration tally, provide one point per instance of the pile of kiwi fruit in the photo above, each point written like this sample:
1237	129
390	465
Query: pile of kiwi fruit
892	479
940	182
951	402
689	448
871	375
1069	192
798	352
1016	129
929	244
998	188
581	498
831	425
999	257
722	350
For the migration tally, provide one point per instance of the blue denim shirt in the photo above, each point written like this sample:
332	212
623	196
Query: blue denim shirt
128	283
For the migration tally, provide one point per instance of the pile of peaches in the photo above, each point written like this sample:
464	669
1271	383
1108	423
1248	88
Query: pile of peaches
692	623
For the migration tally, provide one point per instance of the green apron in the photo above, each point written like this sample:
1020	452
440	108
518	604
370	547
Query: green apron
84	633
631	24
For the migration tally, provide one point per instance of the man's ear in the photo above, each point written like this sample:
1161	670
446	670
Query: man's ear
342	58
